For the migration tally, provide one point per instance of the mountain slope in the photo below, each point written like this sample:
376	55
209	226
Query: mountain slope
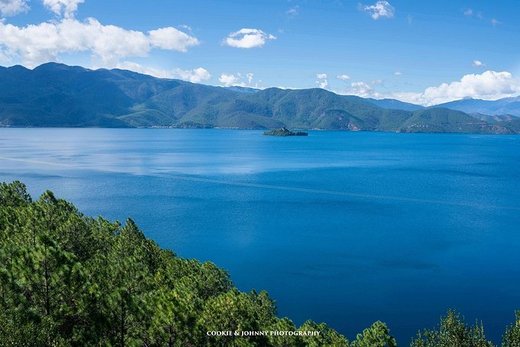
395	104
444	120
506	106
59	95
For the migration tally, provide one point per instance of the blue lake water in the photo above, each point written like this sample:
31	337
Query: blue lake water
346	228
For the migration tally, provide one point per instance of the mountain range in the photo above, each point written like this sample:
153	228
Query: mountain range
506	106
57	95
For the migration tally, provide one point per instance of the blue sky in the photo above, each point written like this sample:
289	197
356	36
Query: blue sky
420	51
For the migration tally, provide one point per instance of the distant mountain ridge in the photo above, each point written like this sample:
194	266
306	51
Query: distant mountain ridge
395	104
58	95
506	106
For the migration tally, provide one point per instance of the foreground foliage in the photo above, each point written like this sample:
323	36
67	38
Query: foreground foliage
67	279
70	280
454	332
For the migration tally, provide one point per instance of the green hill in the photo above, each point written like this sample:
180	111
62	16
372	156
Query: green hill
58	95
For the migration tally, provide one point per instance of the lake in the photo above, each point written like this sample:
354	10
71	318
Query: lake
341	227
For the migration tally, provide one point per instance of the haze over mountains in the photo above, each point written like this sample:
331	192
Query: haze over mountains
57	95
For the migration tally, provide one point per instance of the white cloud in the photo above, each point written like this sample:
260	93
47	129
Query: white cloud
343	77
468	12
412	97
362	89
249	77
478	63
4	59
239	80
323	84
248	38
322	80
172	39
65	8
197	75
398	73
229	80
13	7
381	9
109	44
128	65
490	85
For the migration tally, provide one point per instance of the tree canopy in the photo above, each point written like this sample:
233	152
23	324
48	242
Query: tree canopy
67	279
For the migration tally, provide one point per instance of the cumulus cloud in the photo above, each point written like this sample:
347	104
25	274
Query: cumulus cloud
478	63
362	89
228	80
65	8
197	75
381	9
248	38
38	43
13	7
398	73
489	85
322	80
172	39
343	77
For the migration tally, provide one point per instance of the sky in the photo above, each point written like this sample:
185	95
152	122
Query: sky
425	52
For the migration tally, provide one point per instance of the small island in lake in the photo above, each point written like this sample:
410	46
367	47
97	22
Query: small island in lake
285	132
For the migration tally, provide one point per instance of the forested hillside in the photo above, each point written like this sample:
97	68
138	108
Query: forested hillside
57	95
71	280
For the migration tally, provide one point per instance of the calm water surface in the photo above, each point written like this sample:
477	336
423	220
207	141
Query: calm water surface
345	228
